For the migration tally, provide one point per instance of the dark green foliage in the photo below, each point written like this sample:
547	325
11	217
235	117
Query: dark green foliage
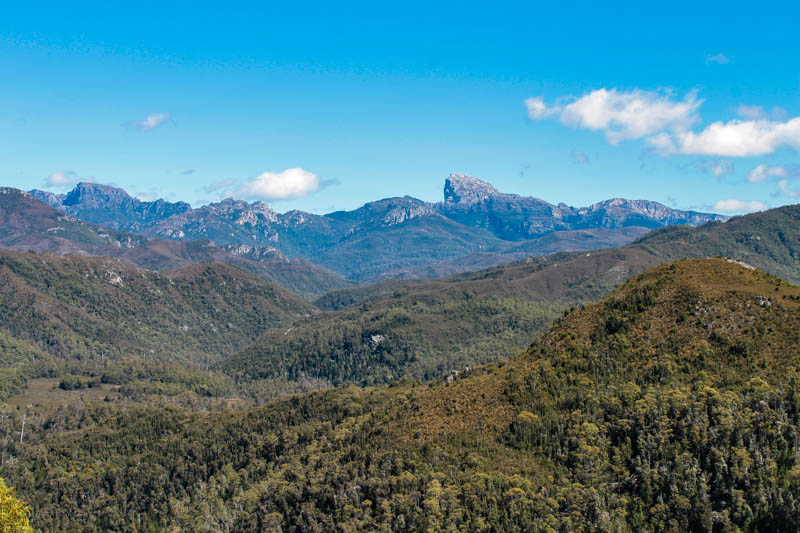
385	341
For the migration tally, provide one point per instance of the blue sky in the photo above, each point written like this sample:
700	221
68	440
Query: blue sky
327	106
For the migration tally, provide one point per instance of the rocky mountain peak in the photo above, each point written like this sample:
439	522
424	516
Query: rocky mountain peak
96	194
460	188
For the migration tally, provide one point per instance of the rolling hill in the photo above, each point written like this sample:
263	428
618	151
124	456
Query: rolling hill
87	308
671	405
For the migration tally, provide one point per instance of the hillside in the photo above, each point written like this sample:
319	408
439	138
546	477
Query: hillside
426	328
671	405
27	224
83	308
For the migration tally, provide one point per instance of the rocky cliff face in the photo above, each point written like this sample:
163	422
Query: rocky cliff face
463	189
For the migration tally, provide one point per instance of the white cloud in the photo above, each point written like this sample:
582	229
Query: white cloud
718	168
538	110
665	123
621	115
153	120
737	138
291	183
739	206
764	171
720	59
61	178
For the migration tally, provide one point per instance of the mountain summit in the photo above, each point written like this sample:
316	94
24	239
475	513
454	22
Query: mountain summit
112	206
460	188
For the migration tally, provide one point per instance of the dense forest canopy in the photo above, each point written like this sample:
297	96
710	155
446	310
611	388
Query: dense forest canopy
671	405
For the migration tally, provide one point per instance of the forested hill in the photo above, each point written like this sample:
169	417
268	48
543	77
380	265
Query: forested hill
671	405
84	308
769	240
421	329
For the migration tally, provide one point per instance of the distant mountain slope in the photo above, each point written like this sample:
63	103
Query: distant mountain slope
475	203
769	240
111	206
672	405
28	224
389	237
90	308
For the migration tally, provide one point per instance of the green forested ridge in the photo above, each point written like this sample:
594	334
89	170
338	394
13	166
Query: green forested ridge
400	338
672	405
420	329
769	240
85	308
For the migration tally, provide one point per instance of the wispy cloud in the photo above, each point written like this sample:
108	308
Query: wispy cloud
188	172
733	206
152	121
764	171
290	183
147	196
219	185
719	168
538	110
756	112
784	189
751	112
719	59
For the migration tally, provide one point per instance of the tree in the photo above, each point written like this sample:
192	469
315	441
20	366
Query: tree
13	513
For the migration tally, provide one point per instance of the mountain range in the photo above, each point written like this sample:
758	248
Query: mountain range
27	224
474	225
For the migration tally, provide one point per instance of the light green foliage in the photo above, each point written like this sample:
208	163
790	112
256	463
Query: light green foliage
14	514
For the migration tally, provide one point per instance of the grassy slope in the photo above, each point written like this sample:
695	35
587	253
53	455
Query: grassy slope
672	405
